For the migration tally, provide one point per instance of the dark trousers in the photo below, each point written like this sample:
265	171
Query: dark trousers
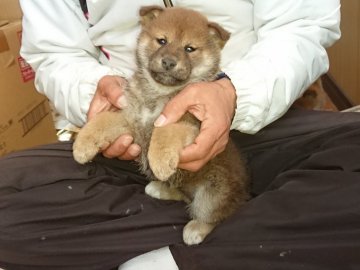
305	211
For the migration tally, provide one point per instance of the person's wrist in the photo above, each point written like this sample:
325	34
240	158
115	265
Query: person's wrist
227	86
229	90
222	75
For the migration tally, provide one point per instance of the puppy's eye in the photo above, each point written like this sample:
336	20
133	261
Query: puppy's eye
189	49
161	41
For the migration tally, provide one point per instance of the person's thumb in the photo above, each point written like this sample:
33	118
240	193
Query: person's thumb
115	92
172	111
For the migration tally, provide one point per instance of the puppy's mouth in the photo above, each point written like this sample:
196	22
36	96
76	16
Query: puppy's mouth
167	78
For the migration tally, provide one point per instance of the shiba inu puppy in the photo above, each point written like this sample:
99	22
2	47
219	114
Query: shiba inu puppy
176	47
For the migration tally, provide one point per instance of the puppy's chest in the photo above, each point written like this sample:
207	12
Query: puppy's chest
141	118
142	114
148	115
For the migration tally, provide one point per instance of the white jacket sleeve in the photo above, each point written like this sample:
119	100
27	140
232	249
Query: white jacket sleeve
56	44
288	56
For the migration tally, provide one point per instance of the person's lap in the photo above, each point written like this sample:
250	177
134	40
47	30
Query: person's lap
56	214
305	211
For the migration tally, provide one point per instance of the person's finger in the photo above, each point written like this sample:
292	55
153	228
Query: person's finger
187	162
108	96
207	145
97	105
193	166
112	88
199	149
118	147
131	153
174	109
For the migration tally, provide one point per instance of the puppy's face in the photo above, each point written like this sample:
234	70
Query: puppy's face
177	45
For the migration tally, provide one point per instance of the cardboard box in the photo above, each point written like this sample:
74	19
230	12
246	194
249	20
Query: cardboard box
10	10
25	117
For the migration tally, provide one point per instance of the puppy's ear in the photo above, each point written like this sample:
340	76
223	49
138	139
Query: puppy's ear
220	35
148	13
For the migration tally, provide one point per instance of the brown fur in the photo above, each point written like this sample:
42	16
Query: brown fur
314	98
176	47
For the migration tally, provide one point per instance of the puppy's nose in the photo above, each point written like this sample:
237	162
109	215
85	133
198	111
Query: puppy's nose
168	63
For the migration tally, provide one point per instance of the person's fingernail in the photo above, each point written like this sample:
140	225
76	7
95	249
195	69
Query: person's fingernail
127	140
122	102
160	121
135	151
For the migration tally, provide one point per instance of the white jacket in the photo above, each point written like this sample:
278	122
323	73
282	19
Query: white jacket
276	50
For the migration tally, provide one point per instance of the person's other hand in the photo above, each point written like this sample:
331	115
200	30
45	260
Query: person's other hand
212	103
109	97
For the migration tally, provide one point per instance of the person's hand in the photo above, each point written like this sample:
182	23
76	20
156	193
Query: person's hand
212	103
109	97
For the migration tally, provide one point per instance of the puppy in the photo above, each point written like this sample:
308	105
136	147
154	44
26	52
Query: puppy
176	47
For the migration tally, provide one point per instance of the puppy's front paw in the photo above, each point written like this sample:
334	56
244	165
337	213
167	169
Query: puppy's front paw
85	148
195	232
163	164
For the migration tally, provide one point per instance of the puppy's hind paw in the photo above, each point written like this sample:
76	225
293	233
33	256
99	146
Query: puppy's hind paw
195	232
161	190
153	189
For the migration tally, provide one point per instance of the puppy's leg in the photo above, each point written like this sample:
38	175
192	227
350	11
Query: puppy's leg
201	210
215	198
165	146
195	231
98	134
163	191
